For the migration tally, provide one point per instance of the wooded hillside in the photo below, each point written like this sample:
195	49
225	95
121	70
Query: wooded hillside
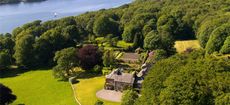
191	79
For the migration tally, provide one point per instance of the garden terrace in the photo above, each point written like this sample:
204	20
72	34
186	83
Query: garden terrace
130	57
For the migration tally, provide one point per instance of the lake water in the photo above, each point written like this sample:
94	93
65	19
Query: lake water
14	15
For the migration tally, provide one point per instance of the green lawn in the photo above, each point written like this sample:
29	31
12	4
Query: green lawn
124	44
86	90
181	46
39	88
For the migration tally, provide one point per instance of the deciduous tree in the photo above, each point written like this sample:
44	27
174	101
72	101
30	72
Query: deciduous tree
105	25
89	56
24	52
66	59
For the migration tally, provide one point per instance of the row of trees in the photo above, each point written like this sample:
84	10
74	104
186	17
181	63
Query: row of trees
90	58
86	57
35	49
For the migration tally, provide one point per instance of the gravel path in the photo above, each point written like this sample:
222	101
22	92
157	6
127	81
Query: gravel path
75	96
109	95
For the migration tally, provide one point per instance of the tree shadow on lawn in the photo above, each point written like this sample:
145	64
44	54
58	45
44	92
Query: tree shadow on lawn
13	72
86	75
7	73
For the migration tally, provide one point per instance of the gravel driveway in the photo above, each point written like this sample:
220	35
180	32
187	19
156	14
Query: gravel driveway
109	95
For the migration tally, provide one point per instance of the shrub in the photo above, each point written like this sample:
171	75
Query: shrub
109	59
97	69
106	70
129	97
99	102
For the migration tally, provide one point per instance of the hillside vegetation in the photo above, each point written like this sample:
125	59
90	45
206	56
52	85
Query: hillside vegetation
150	25
87	41
188	79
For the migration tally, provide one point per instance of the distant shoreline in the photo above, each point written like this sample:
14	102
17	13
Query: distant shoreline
4	2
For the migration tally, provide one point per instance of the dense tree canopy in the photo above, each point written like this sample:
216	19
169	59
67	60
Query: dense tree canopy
160	54
208	26
6	50
5	59
226	47
24	50
187	79
129	97
6	42
155	40
217	38
193	78
105	25
150	24
129	32
223	99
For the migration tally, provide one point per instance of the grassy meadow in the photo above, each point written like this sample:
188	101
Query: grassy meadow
86	90
39	87
124	44
181	46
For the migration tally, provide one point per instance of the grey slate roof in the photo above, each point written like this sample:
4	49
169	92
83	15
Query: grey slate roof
143	72
121	77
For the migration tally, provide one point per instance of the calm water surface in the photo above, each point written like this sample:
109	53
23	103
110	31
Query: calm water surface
14	15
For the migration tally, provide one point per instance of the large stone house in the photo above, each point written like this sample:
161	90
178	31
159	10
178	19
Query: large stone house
118	80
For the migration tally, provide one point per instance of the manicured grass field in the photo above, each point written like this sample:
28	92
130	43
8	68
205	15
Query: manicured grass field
124	44
183	45
39	88
86	90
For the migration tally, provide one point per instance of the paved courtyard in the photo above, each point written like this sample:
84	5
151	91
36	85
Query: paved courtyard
109	95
